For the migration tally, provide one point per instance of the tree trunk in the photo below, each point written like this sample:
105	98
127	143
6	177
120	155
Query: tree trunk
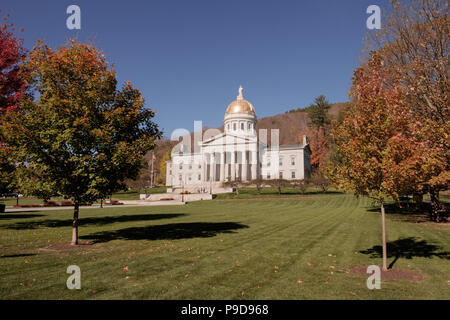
101	203
17	200
436	207
383	227
418	199
75	223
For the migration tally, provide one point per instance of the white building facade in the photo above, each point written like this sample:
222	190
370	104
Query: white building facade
237	154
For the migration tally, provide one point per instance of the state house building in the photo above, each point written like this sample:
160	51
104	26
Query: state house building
237	154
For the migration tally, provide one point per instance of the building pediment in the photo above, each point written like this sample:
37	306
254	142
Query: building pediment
227	138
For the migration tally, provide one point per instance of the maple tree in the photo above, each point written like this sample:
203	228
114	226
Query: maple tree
12	88
318	142
414	44
82	136
318	136
380	140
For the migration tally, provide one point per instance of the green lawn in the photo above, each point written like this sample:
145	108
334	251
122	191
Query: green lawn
301	248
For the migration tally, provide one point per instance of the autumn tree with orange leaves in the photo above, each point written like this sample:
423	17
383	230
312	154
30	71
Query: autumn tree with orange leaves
381	140
414	46
82	135
319	142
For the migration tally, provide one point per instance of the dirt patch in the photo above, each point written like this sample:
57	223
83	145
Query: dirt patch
392	274
67	246
265	199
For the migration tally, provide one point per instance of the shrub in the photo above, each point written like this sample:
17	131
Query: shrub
321	181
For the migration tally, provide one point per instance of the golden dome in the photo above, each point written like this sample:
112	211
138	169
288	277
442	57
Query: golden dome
240	106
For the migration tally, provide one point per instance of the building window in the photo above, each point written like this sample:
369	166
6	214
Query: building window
179	177
293	175
181	166
228	127
190	166
249	127
281	162
268	175
190	178
281	175
234	126
293	161
199	166
199	177
268	163
242	126
170	172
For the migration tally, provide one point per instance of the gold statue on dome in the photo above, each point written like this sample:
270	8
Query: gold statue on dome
240	96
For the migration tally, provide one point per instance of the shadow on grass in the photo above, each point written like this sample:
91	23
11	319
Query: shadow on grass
172	231
407	212
407	248
20	216
18	255
89	221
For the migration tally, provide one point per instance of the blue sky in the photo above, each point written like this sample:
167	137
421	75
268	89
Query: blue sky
189	57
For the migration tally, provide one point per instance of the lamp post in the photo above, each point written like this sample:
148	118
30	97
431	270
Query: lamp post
146	189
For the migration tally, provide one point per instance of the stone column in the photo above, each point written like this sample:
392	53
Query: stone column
244	166
222	166
233	166
214	167
254	166
204	168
